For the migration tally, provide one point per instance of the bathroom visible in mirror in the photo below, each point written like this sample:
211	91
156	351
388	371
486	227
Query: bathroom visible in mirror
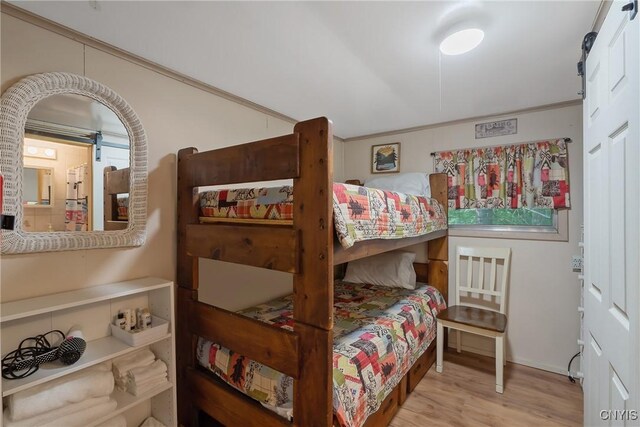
69	140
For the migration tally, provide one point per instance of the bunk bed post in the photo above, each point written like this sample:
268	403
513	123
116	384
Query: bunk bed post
110	201
438	249
187	291
313	285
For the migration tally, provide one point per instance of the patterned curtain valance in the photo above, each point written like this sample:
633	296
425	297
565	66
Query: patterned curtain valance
531	175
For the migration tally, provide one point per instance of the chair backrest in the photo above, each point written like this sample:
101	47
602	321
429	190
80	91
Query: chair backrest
480	285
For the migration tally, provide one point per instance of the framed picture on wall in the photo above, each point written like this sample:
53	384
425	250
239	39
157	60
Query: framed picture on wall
385	158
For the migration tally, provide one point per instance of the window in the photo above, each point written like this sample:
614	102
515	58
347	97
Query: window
522	223
514	191
522	217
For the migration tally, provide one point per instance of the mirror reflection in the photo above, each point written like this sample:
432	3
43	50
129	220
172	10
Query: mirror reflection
37	187
76	164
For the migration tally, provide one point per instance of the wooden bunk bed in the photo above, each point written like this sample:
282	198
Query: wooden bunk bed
308	249
116	181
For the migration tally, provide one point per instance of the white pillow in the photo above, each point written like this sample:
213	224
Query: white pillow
416	183
391	269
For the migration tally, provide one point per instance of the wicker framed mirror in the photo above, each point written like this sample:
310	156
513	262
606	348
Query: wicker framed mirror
86	217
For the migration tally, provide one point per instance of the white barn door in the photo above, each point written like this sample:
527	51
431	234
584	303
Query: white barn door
612	224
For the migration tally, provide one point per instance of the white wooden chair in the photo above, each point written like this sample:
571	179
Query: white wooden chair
479	318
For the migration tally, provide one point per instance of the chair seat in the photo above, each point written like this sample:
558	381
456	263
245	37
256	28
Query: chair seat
476	317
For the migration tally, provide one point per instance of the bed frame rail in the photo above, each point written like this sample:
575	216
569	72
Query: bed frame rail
375	246
229	406
264	343
116	181
263	246
265	160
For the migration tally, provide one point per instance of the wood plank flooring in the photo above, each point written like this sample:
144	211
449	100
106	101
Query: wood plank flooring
464	395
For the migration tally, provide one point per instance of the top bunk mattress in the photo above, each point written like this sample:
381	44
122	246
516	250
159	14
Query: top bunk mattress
359	213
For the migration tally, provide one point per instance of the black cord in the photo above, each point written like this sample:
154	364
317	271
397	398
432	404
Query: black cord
571	378
26	360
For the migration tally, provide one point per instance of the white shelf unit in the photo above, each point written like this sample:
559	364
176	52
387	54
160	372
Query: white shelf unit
93	310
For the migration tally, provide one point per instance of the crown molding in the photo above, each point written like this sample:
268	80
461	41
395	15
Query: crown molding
47	24
466	120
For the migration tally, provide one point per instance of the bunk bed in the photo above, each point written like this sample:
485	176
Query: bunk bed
305	246
115	199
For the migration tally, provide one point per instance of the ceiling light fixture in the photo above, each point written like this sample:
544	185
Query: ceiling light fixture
461	41
40	152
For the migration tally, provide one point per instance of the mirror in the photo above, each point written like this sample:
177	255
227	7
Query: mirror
38	188
77	138
73	156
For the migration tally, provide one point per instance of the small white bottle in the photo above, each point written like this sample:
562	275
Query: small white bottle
144	319
134	320
126	312
120	320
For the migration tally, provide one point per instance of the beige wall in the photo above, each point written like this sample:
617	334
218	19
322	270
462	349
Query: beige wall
175	115
544	293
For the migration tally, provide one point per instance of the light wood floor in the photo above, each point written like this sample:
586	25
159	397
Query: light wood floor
464	395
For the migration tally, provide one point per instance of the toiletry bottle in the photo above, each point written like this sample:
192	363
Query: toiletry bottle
127	318
120	320
134	319
146	318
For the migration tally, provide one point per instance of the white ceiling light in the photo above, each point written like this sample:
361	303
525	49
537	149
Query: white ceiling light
461	41
40	152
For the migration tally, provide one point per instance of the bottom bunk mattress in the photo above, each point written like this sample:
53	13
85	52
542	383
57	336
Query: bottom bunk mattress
379	333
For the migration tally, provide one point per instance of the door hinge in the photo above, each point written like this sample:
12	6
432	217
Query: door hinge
587	43
97	141
631	7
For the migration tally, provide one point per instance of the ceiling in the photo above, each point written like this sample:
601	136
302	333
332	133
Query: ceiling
368	66
79	112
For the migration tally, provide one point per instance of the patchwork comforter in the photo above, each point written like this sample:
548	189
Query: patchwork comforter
379	333
123	208
359	213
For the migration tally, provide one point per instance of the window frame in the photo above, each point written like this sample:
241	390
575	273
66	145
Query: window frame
516	232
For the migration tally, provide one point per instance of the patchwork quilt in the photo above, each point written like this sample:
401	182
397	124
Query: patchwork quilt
123	208
359	213
379	333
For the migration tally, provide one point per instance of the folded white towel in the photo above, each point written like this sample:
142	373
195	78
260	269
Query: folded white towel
85	417
73	388
148	381
143	373
55	414
152	422
124	364
146	387
119	421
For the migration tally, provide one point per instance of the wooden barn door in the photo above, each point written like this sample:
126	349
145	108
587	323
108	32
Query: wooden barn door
612	190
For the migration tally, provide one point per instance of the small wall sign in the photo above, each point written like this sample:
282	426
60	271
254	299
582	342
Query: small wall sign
497	128
385	158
